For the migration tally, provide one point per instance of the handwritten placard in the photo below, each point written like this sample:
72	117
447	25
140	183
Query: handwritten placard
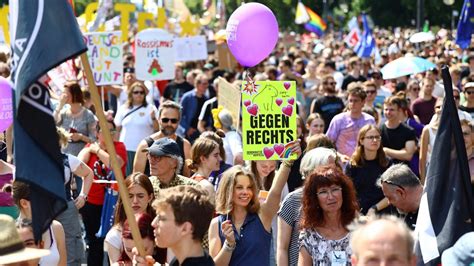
191	48
155	55
105	56
229	98
268	119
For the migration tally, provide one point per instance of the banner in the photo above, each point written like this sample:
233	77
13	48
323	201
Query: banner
229	98
43	35
191	48
268	119
105	57
155	55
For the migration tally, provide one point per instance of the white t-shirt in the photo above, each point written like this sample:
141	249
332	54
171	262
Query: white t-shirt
232	146
74	163
136	126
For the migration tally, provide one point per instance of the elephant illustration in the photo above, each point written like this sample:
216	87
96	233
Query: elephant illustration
266	97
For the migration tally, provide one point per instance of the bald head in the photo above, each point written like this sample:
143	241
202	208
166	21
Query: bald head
385	241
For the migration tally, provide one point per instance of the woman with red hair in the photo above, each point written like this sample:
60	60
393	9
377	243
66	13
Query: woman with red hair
329	205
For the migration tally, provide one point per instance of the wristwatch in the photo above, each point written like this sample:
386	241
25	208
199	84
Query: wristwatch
84	195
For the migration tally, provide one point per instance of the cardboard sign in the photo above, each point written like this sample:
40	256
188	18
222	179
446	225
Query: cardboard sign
229	98
105	56
268	119
191	48
155	55
226	59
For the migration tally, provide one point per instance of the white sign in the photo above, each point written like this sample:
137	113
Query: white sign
104	50
191	48
155	55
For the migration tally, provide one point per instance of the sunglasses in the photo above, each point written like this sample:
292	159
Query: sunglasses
329	83
377	77
469	92
457	97
166	120
393	184
415	89
370	91
139	92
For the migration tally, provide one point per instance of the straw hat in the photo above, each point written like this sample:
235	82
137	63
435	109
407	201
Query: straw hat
12	248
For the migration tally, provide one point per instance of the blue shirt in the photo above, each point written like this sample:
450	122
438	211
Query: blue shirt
253	243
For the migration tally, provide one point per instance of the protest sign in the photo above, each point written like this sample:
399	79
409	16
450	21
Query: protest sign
105	56
60	74
229	98
225	57
268	119
191	48
155	55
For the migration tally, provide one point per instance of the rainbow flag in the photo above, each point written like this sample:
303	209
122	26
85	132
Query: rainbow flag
316	23
302	15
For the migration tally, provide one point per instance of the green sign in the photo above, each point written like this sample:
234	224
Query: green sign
268	119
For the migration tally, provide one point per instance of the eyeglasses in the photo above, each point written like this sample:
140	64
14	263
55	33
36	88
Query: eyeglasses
372	138
139	92
370	91
166	120
333	191
393	184
329	83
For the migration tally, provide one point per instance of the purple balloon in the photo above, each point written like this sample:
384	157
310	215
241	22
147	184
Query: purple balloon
6	104
252	33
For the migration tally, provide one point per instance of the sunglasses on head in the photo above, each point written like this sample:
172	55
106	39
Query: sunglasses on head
166	120
139	92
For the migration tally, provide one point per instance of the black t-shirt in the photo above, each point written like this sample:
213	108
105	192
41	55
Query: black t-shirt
205	260
200	103
174	91
328	107
397	137
365	183
467	109
349	79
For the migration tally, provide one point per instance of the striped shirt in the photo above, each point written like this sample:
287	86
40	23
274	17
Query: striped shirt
290	213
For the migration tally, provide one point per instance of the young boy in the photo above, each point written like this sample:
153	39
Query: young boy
183	216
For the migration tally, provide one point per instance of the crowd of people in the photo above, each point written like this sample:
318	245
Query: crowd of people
363	149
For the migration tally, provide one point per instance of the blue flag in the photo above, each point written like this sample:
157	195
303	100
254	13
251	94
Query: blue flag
44	34
446	207
465	25
366	45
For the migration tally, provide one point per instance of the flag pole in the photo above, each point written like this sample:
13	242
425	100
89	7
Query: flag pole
113	157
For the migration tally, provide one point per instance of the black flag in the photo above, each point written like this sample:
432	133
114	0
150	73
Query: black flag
446	208
44	34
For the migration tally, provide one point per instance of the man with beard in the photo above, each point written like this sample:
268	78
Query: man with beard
329	105
169	115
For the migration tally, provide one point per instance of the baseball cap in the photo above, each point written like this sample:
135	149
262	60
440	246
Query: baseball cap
164	147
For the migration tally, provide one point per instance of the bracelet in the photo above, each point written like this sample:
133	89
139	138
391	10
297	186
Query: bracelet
288	164
228	247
